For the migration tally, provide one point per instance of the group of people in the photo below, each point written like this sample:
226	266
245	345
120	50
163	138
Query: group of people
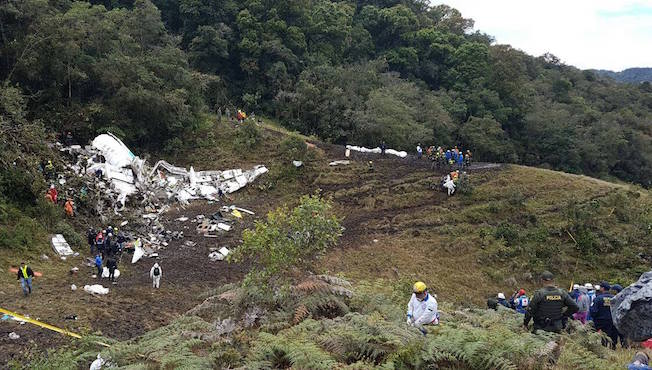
441	158
107	246
551	307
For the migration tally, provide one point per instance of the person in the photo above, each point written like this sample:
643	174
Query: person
590	292
616	288
492	303
583	303
449	185
53	193
640	362
549	306
419	151
601	313
422	308
112	265
460	160
521	301
467	159
25	275
502	300
90	238
370	166
575	292
383	147
68	207
155	273
98	264
121	239
68	139
448	156
49	170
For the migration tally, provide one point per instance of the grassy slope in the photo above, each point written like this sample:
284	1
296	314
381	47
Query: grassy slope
451	243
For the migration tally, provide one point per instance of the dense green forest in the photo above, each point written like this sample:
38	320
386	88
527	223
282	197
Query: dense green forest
630	75
347	71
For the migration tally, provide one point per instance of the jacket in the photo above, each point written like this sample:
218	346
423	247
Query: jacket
98	261
521	303
151	271
601	308
583	302
548	304
29	272
423	312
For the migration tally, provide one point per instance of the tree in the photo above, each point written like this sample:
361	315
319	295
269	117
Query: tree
289	239
487	140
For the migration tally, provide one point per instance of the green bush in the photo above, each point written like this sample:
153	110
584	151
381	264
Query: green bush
293	148
507	232
72	237
249	135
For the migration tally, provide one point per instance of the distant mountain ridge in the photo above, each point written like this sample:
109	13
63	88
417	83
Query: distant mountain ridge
632	75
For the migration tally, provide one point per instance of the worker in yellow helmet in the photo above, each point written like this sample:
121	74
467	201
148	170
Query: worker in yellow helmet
422	308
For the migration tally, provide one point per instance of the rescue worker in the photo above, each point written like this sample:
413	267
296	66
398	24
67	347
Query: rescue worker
601	313
449	185
53	193
68	207
155	273
383	147
583	303
422	308
640	362
448	156
460	161
590	292
419	151
90	238
575	292
98	264
49	171
112	265
25	275
370	166
546	308
502	300
521	301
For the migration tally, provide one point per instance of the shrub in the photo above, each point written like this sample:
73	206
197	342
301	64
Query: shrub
294	148
72	237
289	238
248	135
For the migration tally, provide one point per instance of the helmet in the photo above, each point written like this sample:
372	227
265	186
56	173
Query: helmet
419	287
596	287
501	296
521	292
588	286
576	286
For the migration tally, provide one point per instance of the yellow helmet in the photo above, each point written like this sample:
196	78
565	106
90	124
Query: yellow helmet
419	287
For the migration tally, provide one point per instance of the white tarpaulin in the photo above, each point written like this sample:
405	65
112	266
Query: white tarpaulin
377	151
96	289
61	246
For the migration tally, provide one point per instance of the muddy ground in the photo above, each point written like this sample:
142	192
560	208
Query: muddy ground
132	307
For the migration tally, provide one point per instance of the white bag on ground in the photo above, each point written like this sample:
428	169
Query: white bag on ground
96	289
105	273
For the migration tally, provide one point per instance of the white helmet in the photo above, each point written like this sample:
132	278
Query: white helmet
588	286
576	286
501	296
597	287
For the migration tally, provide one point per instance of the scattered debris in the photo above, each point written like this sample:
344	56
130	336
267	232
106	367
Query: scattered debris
124	223
189	243
44	257
71	317
225	251
182	219
61	246
96	289
219	255
297	164
340	162
13	336
97	364
377	150
73	287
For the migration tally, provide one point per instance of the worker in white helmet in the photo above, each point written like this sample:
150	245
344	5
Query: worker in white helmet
590	292
422	308
502	301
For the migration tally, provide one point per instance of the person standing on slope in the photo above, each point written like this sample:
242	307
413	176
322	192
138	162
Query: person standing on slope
155	273
583	303
25	275
422	308
549	306
601	313
419	151
521	301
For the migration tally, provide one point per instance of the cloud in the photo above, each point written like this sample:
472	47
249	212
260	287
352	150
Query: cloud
602	34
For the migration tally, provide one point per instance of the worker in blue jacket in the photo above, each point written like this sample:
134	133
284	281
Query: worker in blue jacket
601	313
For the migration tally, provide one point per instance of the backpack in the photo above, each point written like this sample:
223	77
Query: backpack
157	272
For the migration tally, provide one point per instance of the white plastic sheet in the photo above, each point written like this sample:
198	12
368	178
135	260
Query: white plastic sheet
362	149
61	246
96	289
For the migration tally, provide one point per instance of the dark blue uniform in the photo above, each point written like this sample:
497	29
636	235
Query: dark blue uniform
601	314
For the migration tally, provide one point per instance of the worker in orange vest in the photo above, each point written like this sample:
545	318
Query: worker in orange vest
52	194
68	207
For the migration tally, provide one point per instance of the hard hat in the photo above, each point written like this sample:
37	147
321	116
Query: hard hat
51	186
521	292
501	296
596	287
576	286
588	286
419	287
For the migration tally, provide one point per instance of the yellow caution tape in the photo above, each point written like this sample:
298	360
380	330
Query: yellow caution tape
41	324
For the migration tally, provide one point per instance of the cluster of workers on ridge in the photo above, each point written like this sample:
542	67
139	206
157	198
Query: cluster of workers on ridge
549	310
550	307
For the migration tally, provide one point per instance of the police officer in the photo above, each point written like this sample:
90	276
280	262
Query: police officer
546	308
601	313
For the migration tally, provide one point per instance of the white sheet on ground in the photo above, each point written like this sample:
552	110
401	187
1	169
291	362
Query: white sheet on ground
96	289
362	149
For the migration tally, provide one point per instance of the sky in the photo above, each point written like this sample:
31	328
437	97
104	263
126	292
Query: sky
588	34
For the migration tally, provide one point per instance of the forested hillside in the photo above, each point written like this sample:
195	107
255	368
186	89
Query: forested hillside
350	72
632	75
